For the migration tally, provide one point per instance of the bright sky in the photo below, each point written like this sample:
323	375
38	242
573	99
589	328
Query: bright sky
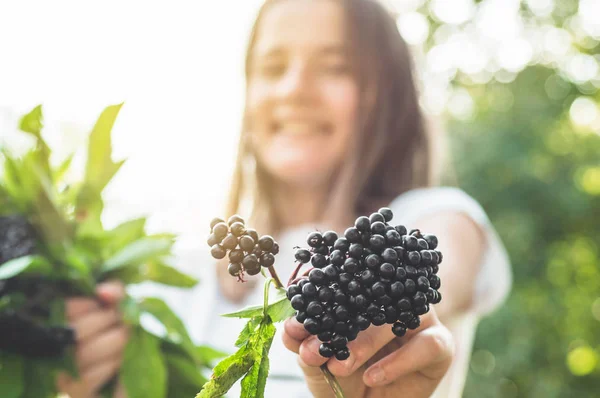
177	65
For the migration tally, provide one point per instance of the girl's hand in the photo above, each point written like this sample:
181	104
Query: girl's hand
380	364
101	339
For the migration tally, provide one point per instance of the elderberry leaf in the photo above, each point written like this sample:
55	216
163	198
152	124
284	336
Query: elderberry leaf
138	252
143	371
227	372
248	331
278	310
24	264
253	384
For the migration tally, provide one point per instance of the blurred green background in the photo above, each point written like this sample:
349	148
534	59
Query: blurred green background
525	139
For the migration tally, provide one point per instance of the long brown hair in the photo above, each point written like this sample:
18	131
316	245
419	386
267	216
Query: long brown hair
390	152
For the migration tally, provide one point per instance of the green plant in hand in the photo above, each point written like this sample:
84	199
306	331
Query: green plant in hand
53	246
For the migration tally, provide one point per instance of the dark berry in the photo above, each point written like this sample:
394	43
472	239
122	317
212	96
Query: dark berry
238	229
414	323
257	251
399	329
387	270
361	302
309	290
396	289
414	258
252	268
410	243
340	297
440	256
393	238
378	319
363	224
327	322
218	252
435	282
384	300
435	259
354	287
405	316
377	243
230	242
325	335
337	258
275	248
372	310
236	256
404	304
314	308
401	252
267	259
342	245
435	268
266	242
401	274
303	255
390	314
345	278
341	313
214	222
220	230
367	277
325	294
426	257
422	284
213	240
422	244
416	233
323	249
247	243
330	272
373	261
314	239
411	272
375	217
419	299
351	265
317	277
234	269
338	341
293	290
250	261
421	309
326	351
298	303
378	228
312	325
362	322
378	289
401	229
355	250
410	287
235	218
329	238
301	316
252	233
430	295
432	241
352	235
386	213
342	354
389	255
318	260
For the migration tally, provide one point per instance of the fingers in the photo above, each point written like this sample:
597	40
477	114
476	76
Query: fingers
78	306
95	322
111	292
428	352
90	380
98	349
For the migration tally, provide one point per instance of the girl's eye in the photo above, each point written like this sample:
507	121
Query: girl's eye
271	69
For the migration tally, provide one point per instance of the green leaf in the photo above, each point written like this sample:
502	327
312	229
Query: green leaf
248	330
40	378
59	173
138	252
253	384
143	371
159	272
130	309
125	233
184	376
278	311
26	264
32	122
176	331
227	372
11	375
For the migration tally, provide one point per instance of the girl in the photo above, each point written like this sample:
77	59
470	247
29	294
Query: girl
333	130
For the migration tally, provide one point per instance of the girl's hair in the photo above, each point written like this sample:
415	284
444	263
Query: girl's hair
390	152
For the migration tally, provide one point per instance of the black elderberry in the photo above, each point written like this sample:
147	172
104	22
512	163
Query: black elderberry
432	241
421	309
234	269
426	257
327	322
404	304
401	229
212	240
384	300
393	238
314	239
386	213
378	319
325	350
340	297
325	335
236	256
214	222
372	309
257	251
430	295
378	289
362	322
351	265
312	325
422	244
309	290
361	302
329	238
293	290
325	294
267	259
435	282
345	278
301	316
318	260
391	315
419	299
405	316
374	217
440	255
352	235
342	354
401	274
341	313
365	239
337	258
414	323
298	303
317	277
387	270
314	308
275	248
373	261
246	243
266	242
389	255
363	224
411	272
220	230
434	257
355	250
367	277
422	284
414	258
410	243
303	255
354	287
435	268
377	243
378	228
422	272
230	242
396	289
218	252
341	244
338	341
410	287
238	229
399	329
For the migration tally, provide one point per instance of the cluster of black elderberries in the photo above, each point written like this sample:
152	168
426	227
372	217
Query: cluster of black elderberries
23	325
247	251
375	274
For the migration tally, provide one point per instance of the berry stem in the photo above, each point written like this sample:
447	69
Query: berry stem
332	381
275	277
295	273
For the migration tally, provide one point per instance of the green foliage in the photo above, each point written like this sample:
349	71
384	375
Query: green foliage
144	371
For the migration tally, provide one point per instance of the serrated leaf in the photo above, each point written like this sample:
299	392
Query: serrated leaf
184	376
253	384
11	375
143	372
138	252
278	311
248	330
25	264
227	372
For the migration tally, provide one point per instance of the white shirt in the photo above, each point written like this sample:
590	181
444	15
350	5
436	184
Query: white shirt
200	307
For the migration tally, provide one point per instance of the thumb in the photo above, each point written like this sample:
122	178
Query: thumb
111	292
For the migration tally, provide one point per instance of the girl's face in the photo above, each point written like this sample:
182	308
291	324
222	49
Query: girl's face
302	97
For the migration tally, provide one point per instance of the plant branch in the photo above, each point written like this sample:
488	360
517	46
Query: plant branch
275	277
332	381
